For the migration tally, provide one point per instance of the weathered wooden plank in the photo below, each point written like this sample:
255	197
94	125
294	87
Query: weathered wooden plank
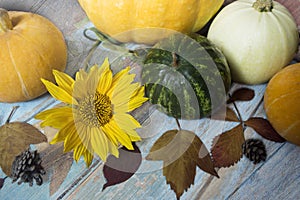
279	178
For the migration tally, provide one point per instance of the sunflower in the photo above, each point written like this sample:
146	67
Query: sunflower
95	117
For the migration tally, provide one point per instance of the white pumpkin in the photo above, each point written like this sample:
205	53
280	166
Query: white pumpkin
258	38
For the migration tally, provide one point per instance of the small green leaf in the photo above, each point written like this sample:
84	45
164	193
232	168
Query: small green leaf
227	147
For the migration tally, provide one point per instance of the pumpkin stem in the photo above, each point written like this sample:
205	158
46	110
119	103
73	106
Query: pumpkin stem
263	5
5	22
175	60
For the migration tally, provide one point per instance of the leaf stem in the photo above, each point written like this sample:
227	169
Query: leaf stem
178	124
5	177
11	114
237	110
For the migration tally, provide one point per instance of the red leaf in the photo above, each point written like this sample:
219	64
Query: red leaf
264	128
227	147
242	94
118	170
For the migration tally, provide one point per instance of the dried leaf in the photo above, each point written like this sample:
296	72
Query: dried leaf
227	147
242	94
57	163
264	128
230	115
15	138
118	170
2	180
181	151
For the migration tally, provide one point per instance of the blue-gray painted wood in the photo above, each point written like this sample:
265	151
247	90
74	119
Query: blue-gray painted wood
277	178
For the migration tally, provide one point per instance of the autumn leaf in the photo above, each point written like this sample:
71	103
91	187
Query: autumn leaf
264	128
181	151
2	180
227	147
118	170
241	94
15	137
57	164
230	115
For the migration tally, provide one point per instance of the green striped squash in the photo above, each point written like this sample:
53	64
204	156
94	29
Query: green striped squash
187	77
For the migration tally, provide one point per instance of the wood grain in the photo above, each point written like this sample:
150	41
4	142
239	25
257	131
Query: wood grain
277	178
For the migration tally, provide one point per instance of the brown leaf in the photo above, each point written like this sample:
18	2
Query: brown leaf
264	128
230	115
118	170
15	138
241	94
181	151
57	164
2	180
227	147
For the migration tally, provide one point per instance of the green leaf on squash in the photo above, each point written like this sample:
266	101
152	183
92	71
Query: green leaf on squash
181	151
15	137
227	147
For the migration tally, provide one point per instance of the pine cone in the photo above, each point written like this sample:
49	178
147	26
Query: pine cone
26	167
254	150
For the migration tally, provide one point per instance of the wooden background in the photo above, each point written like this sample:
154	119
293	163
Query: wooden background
276	178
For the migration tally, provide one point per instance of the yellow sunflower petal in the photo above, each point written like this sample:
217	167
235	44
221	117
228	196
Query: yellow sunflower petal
54	111
120	82
113	149
88	157
81	75
99	143
64	81
128	124
63	133
105	65
105	81
78	152
126	121
112	128
79	89
137	99
92	80
72	140
57	92
121	100
56	117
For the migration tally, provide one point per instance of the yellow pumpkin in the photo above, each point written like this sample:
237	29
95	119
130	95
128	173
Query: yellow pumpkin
31	47
147	21
281	103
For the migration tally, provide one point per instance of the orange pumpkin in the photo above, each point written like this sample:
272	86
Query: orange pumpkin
147	21
281	103
31	47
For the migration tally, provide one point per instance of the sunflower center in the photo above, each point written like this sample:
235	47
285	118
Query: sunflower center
96	110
